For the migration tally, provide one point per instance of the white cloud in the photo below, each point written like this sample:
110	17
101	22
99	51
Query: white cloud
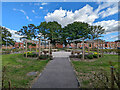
21	10
110	25
41	8
28	18
33	11
112	8
87	14
64	17
15	36
24	13
44	3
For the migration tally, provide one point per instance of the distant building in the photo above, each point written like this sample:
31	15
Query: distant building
18	45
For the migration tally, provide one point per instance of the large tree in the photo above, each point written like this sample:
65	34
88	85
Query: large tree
53	31
6	36
28	32
77	30
42	29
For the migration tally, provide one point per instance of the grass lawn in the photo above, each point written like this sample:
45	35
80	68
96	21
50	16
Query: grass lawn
86	70
17	68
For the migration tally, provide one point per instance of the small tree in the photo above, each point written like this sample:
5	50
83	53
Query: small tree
6	36
95	32
28	32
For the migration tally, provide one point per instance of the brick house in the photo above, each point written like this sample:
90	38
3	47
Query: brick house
18	45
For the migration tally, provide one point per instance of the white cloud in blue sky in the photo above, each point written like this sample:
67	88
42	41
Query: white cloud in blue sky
64	16
44	3
21	10
40	7
87	14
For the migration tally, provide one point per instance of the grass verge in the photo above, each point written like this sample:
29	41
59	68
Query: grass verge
17	68
86	70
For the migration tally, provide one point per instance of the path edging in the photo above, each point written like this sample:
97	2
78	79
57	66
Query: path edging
74	72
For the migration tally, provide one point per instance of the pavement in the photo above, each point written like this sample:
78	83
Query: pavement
58	73
61	54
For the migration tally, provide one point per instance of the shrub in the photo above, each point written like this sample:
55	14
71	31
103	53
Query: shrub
95	55
44	57
79	56
31	54
99	55
72	56
85	56
90	56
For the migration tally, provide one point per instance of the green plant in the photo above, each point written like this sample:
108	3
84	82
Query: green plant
90	56
43	57
85	56
95	55
79	56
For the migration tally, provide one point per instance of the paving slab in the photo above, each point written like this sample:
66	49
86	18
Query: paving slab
57	74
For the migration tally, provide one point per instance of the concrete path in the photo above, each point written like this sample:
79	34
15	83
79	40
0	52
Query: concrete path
57	74
61	54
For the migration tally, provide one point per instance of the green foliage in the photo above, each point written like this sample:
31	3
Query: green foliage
96	31
31	54
90	56
95	55
44	57
42	29
54	31
76	30
6	36
28	31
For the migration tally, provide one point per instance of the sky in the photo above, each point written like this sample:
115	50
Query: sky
18	14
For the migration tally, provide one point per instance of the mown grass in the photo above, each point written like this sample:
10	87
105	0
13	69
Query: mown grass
86	70
17	68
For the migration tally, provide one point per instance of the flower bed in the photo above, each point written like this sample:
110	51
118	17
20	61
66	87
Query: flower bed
87	56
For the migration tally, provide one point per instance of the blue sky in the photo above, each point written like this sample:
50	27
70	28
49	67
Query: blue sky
18	14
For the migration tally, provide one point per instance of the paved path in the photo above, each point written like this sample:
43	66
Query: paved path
61	54
57	74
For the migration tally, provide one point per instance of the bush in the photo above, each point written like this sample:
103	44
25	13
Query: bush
85	56
90	56
72	56
31	54
44	57
95	55
99	55
79	56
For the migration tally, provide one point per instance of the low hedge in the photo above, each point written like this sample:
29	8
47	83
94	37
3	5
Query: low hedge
31	54
44	57
90	56
95	55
